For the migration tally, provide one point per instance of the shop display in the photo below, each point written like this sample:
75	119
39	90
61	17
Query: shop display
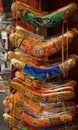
37	48
44	73
41	95
41	19
37	109
21	33
35	4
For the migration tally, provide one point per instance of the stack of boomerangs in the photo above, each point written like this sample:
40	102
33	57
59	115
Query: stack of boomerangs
37	101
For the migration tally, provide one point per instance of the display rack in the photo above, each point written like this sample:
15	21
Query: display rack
42	88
